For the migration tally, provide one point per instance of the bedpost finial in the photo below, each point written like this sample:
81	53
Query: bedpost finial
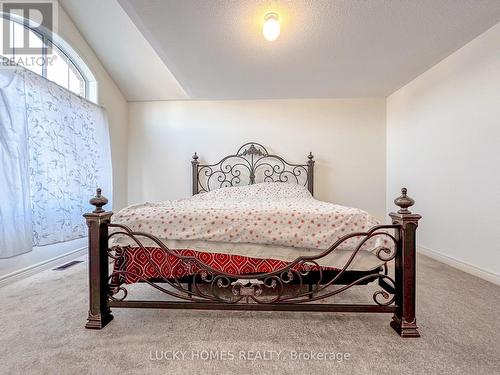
311	158
195	157
98	201
404	201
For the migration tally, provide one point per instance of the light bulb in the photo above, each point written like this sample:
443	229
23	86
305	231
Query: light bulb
271	29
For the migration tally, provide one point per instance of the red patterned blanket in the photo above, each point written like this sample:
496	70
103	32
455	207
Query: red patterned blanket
135	264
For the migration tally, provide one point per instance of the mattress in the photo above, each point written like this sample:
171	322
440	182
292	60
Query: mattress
267	213
277	222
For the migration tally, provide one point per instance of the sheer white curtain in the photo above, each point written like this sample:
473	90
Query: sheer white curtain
16	230
69	157
62	155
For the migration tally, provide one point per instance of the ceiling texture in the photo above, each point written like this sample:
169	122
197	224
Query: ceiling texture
327	48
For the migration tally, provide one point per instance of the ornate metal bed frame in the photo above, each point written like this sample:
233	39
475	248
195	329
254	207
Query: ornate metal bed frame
279	290
251	163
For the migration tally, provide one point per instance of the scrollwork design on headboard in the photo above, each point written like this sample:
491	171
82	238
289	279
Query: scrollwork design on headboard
251	164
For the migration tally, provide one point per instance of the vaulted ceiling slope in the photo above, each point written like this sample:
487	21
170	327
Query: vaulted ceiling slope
127	56
327	48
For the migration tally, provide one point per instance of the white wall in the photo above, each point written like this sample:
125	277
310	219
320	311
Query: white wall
347	137
443	143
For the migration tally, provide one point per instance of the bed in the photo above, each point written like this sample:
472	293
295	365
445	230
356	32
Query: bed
252	237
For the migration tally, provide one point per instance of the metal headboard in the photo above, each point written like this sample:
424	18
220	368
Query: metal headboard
251	163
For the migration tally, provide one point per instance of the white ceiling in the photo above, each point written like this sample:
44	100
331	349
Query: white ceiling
122	49
327	48
347	48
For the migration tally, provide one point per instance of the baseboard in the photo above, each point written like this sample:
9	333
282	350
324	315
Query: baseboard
462	266
42	266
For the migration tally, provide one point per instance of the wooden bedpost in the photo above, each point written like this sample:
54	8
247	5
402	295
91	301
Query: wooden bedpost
195	164
404	320
97	221
310	173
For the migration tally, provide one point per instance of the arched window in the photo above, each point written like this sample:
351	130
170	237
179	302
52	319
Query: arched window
62	65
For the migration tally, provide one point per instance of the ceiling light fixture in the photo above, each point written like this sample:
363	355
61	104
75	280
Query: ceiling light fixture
271	29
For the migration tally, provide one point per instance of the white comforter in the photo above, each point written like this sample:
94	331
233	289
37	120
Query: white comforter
276	214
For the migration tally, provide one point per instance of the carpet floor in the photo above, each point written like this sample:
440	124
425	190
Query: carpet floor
42	318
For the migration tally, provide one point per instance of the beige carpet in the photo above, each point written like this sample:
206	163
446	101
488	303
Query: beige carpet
41	332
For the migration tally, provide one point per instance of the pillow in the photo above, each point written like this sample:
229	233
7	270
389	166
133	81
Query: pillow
261	191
